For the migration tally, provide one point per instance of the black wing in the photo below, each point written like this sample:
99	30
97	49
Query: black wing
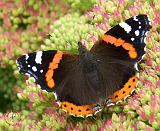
61	73
124	39
118	51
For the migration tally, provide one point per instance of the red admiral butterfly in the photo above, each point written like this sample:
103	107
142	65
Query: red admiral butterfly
106	72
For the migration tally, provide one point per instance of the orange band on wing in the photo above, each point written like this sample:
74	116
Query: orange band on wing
126	90
119	42
53	65
77	110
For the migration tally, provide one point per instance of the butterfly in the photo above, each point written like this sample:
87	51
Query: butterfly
105	72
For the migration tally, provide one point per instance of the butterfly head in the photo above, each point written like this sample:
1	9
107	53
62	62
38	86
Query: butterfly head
82	48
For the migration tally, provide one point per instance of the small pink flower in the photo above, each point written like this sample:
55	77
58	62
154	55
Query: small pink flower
142	114
102	2
152	4
154	103
106	16
102	26
97	9
157	17
33	96
133	10
49	110
84	42
156	48
32	11
9	50
152	118
42	34
108	124
41	96
54	104
44	8
17	125
6	20
157	68
30	105
93	38
7	5
117	14
90	15
149	62
33	28
133	104
134	126
44	128
149	129
148	83
158	83
121	2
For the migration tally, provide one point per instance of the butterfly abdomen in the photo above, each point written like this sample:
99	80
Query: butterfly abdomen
89	65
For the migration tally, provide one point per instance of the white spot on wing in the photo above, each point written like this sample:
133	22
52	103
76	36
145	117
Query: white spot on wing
38	59
27	74
139	27
146	33
58	102
19	68
80	116
126	97
97	111
55	95
89	115
143	56
145	49
135	18
149	19
136	67
27	56
125	26
118	101
137	32
17	62
29	66
41	71
132	39
72	114
34	68
137	83
111	104
38	86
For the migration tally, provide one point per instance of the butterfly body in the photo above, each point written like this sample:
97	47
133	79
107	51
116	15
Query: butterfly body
106	72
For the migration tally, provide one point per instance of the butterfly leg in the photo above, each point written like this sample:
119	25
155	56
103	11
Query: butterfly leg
109	102
98	107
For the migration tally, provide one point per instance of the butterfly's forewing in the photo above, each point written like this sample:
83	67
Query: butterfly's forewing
36	65
125	41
